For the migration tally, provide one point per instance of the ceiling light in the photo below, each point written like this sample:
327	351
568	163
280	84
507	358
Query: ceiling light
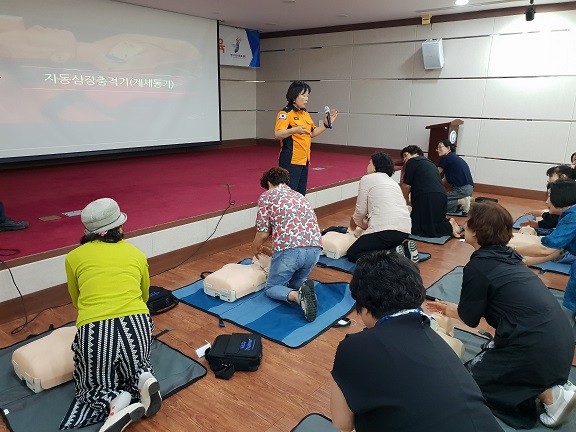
530	12
461	2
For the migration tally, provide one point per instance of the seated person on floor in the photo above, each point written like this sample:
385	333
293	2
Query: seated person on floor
380	210
457	174
549	221
562	201
399	374
109	284
424	192
296	241
531	354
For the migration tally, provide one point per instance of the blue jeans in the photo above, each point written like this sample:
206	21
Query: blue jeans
289	269
455	194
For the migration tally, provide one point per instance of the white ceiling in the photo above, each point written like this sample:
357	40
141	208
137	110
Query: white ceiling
281	15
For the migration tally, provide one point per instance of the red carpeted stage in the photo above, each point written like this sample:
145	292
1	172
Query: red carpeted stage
152	190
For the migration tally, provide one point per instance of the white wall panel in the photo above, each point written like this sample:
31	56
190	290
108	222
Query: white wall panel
279	43
265	121
238	124
335	94
379	131
382	35
279	65
463	58
327	39
271	95
533	54
468	137
543	22
338	134
179	237
455	29
326	63
525	141
543	98
238	95
522	175
571	146
395	60
447	98
380	96
237	73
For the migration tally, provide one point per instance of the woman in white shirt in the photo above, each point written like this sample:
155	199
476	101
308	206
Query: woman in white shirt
380	210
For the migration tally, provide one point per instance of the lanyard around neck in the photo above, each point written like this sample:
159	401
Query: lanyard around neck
399	313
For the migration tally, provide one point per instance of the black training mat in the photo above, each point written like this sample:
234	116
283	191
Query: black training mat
26	411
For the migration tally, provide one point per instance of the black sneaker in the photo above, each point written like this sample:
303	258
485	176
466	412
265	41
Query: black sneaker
308	300
12	225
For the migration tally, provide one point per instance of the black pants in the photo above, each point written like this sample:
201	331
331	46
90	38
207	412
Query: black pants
373	242
298	176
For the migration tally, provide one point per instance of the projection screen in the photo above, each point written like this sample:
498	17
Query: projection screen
80	76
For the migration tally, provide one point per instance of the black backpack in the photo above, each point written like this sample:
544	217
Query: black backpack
235	352
160	300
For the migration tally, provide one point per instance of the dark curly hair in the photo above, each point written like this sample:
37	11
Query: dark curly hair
491	223
385	282
296	88
383	163
113	235
275	176
411	149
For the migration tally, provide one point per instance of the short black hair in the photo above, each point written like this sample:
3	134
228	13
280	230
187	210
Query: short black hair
563	193
386	282
572	156
296	88
383	163
565	170
275	176
411	149
447	143
112	236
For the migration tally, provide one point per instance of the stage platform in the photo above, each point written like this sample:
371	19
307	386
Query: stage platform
173	201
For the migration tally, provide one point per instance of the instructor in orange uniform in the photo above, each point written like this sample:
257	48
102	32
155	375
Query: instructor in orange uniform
295	130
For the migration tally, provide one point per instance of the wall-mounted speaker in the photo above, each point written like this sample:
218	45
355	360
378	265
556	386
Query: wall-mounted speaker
433	54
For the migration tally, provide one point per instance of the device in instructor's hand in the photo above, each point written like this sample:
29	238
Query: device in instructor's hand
328	117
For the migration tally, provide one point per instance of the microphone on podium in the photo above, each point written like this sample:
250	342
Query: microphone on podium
329	119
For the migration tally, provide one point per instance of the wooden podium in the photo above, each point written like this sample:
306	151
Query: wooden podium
439	132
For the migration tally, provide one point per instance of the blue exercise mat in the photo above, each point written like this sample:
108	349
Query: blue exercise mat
432	240
521	219
280	322
456	213
346	266
26	411
553	266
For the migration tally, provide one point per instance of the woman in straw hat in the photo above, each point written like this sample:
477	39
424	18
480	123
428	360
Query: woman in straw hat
108	282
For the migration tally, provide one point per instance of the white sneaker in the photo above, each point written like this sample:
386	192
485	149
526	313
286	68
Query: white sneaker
558	410
466	205
150	397
117	422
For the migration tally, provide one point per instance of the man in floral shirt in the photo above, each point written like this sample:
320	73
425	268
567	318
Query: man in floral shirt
296	241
